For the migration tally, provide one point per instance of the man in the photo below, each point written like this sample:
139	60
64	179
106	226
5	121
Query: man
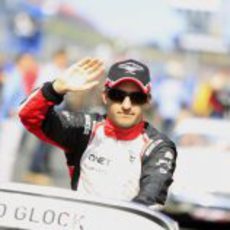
118	155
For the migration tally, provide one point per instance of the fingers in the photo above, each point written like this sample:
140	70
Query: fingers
95	66
87	62
81	65
96	73
84	74
84	61
94	69
87	65
91	64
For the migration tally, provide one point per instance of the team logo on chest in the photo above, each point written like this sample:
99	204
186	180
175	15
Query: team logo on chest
99	159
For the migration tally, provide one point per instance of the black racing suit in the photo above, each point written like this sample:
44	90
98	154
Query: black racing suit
75	134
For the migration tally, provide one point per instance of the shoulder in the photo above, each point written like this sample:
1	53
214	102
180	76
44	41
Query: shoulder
158	141
154	134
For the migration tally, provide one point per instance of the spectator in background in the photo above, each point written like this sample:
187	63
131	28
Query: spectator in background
18	83
2	76
211	96
171	96
39	168
26	27
201	100
58	63
217	104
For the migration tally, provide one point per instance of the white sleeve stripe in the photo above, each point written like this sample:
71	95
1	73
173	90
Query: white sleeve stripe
152	145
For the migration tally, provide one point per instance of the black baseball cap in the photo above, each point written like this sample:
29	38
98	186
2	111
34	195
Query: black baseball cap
129	70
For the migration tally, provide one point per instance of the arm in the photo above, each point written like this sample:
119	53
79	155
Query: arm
62	129
39	117
157	173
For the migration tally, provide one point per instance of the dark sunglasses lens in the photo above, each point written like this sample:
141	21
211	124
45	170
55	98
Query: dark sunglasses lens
138	98
116	95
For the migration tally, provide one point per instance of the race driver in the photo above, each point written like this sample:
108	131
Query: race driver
118	155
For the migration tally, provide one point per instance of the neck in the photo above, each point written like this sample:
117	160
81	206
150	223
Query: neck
121	133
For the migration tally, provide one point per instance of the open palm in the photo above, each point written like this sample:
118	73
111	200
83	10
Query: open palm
81	76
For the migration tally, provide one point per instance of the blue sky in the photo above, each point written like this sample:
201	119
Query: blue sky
133	20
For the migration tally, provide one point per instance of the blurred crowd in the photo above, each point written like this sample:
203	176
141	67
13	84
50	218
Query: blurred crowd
176	93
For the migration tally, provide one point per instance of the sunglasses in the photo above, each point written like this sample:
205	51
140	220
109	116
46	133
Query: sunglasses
136	98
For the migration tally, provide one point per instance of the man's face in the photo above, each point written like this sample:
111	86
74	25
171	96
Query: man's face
124	114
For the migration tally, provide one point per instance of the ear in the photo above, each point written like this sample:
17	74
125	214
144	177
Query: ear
104	98
148	104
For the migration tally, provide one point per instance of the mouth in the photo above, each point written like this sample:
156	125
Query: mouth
126	115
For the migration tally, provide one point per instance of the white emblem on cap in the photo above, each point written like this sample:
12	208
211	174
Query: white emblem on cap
131	67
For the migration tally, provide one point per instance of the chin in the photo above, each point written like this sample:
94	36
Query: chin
125	124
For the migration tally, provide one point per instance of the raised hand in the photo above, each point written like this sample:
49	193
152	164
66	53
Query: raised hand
81	76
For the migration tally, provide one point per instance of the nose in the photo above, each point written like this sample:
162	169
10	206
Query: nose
126	104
